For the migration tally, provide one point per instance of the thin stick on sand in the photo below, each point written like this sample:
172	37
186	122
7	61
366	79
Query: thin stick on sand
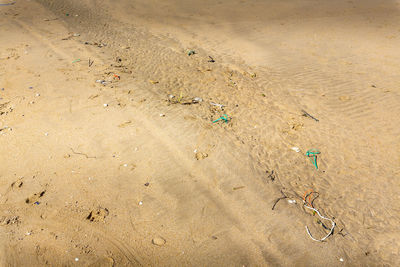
306	114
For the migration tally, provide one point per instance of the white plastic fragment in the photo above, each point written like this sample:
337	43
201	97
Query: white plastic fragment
197	100
296	149
140	203
341	259
292	201
162	115
105	105
319	214
217	105
76	259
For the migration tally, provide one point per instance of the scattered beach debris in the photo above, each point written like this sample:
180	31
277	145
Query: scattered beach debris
7	220
191	52
279	199
211	59
308	203
296	149
158	241
98	214
217	105
153	82
322	217
238	187
69	37
83	154
117	77
224	117
271	175
103	82
8	4
200	155
140	203
50	19
162	115
312	154
76	60
105	105
291	201
306	114
197	100
35	197
96	44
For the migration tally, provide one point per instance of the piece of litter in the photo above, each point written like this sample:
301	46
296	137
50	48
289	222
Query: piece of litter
125	165
341	259
195	151
312	154
8	4
140	203
30	87
162	115
76	259
146	184
292	201
217	105
37	203
191	52
223	117
296	149
76	34
105	105
46	134
28	233
37	94
319	214
197	100
76	60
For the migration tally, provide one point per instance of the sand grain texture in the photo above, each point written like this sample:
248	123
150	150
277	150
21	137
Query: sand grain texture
130	171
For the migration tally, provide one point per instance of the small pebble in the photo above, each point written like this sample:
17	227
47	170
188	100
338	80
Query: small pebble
146	184
158	241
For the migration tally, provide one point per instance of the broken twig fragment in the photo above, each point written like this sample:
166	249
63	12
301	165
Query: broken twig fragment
306	114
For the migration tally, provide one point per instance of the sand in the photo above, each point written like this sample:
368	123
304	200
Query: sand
108	161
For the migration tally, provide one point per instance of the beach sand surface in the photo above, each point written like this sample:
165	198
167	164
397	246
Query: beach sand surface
108	159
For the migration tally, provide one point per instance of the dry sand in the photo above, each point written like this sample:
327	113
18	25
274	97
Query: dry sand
121	174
